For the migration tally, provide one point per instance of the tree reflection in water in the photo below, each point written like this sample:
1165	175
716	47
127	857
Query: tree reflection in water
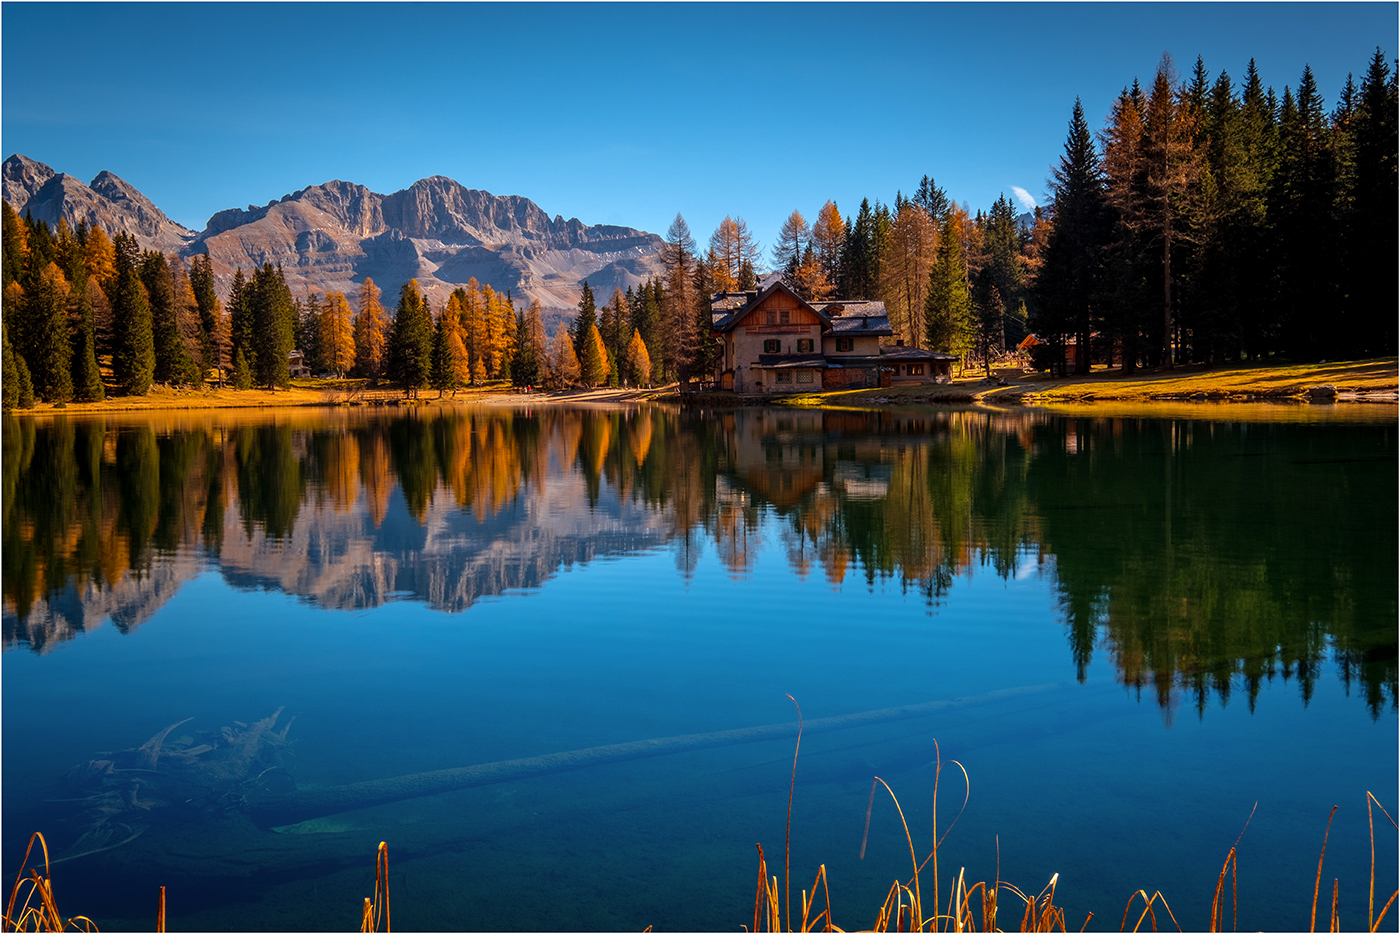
1205	557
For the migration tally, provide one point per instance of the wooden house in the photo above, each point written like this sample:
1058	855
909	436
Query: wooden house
772	340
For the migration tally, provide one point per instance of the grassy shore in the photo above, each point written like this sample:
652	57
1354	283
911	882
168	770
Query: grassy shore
1348	381
1374	381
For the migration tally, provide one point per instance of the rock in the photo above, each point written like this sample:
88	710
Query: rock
335	235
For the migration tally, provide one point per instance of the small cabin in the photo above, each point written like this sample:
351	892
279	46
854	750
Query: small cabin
296	365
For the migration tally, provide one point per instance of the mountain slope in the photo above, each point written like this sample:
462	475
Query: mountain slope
334	235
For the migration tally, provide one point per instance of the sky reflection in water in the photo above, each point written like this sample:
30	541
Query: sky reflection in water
509	584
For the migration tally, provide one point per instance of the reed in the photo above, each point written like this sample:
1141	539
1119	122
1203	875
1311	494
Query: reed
43	914
977	906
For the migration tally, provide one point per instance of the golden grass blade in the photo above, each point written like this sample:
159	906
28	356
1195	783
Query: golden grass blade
913	858
758	891
1377	925
1215	902
1335	926
787	842
160	913
1317	884
967	795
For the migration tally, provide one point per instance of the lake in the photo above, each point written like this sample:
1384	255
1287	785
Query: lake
1145	626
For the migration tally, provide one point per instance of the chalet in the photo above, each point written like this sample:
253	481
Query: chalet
772	340
296	365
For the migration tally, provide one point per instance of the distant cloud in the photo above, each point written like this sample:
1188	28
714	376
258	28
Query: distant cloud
1024	197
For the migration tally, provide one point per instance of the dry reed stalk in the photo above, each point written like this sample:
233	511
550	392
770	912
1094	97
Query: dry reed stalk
1317	884
1375	922
45	915
377	909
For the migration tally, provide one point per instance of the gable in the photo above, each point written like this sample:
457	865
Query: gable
777	302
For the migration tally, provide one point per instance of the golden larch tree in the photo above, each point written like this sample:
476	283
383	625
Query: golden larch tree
371	331
337	333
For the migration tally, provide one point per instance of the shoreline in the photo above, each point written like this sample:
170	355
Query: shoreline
1350	383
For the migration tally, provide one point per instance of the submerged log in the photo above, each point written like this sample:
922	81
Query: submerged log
278	810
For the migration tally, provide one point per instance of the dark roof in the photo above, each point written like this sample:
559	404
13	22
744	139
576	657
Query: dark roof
868	318
777	361
734	312
914	353
864	360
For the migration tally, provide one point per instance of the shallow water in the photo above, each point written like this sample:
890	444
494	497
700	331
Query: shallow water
1204	609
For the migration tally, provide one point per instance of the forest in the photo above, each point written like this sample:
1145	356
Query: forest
1207	221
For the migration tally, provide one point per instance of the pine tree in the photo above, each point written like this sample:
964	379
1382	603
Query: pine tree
1372	243
932	198
410	351
240	309
586	320
638	367
202	284
87	378
371	330
450	365
947	324
133	348
309	339
172	364
1068	283
274	327
242	371
525	365
18	391
48	351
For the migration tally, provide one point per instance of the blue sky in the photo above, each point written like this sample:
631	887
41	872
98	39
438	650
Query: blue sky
616	113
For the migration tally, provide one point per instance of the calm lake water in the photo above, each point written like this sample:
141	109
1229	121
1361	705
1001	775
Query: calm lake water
1197	614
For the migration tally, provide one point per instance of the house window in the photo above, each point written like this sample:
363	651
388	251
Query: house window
804	346
784	317
915	369
772	346
772	317
845	343
783	376
804	376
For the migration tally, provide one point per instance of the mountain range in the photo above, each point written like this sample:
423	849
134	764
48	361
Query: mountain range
334	235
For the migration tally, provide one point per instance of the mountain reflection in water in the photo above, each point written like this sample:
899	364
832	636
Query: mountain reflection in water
1204	557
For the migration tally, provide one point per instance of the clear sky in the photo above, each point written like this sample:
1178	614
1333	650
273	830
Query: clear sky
617	113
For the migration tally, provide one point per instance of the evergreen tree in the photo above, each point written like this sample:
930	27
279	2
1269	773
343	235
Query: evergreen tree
525	365
1372	246
14	245
1068	282
87	378
680	339
309	338
410	351
48	352
947	319
932	198
202	284
274	327
172	363
450	363
133	349
240	308
18	391
586	320
242	371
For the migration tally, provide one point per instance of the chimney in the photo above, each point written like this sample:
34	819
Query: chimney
899	343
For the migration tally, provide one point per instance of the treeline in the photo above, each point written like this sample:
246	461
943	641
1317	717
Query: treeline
1213	222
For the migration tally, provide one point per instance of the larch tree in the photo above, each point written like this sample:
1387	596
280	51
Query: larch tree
793	239
337	334
638	368
564	368
594	364
678	306
912	249
828	238
451	368
371	331
99	256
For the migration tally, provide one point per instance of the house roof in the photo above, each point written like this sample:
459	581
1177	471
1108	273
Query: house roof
914	354
734	312
806	361
865	318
